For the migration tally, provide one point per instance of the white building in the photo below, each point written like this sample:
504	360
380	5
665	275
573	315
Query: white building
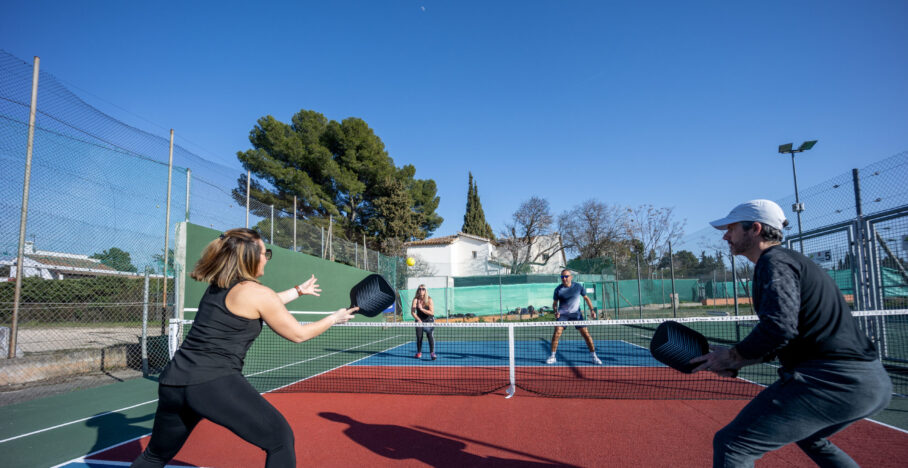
468	255
57	265
458	255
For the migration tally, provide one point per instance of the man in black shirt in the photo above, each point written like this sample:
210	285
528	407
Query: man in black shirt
830	375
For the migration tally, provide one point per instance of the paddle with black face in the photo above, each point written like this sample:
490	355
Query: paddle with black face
373	295
675	345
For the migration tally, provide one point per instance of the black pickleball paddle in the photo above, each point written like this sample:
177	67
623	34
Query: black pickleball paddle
373	295
675	345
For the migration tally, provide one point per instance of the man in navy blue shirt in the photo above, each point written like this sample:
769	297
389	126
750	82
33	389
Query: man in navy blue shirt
567	309
830	374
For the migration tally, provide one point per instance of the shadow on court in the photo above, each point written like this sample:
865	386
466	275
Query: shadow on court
115	427
403	443
112	429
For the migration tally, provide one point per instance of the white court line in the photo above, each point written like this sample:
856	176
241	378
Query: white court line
77	421
764	386
326	355
345	364
82	458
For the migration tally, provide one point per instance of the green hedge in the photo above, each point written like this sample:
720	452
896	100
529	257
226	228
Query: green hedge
100	299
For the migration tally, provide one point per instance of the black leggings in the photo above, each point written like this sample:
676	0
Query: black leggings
229	401
428	331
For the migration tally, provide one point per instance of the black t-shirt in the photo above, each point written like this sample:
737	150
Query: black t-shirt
216	344
803	315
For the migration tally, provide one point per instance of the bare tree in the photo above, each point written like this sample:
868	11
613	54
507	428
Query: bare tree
653	228
592	229
528	238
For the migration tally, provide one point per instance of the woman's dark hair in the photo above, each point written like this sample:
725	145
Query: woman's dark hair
234	256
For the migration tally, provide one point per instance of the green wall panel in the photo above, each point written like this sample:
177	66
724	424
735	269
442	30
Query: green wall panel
285	270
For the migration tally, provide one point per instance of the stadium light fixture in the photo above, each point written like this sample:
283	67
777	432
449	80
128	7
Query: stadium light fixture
798	207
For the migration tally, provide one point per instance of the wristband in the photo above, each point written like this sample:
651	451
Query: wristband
299	290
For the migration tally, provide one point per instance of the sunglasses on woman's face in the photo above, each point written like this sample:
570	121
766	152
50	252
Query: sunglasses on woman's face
267	254
421	289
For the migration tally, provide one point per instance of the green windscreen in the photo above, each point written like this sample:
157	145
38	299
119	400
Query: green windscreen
285	270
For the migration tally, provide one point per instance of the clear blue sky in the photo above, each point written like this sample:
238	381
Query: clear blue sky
678	104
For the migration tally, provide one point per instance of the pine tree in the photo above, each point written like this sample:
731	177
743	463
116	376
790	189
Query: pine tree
474	220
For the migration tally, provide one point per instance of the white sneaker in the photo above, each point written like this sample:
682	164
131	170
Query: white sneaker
596	359
551	360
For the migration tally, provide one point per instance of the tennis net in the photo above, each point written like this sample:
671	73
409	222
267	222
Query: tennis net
482	358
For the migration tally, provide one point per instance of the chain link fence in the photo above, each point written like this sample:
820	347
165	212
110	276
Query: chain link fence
98	267
855	226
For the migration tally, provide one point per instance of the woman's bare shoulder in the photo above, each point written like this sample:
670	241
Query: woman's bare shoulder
251	287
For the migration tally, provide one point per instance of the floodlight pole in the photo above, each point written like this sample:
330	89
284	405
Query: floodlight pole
798	207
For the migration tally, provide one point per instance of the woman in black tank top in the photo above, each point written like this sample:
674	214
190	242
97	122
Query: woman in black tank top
204	379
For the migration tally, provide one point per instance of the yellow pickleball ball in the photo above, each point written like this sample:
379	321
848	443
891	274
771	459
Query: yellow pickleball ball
411	261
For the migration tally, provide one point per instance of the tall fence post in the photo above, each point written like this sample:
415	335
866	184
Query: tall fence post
294	223
167	230
188	179
23	217
671	263
500	304
734	281
639	289
248	187
662	283
271	239
145	327
863	257
617	289
724	278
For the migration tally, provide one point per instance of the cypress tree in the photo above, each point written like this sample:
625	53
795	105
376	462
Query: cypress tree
474	220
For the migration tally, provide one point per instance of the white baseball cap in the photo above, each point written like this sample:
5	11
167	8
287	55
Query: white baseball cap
763	211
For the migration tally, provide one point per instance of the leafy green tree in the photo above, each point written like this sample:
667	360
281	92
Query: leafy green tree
159	261
685	263
596	266
392	215
335	169
474	219
115	258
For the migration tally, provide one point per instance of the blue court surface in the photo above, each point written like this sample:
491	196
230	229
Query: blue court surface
572	353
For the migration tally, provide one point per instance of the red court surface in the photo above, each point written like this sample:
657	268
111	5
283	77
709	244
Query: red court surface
597	381
345	430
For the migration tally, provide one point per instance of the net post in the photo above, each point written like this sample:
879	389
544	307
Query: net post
174	337
513	387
